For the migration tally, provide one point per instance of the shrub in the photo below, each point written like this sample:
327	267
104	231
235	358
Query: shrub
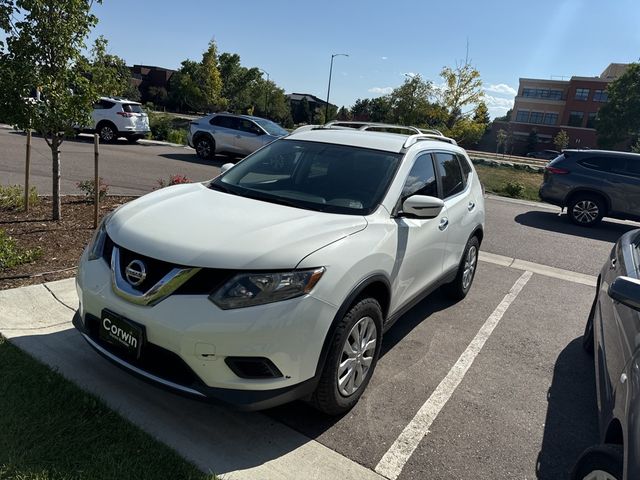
87	186
177	136
12	255
173	180
12	197
514	189
160	125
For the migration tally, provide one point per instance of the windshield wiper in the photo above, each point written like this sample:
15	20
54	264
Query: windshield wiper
221	188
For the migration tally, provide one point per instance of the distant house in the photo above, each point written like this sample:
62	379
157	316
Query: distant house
295	101
147	76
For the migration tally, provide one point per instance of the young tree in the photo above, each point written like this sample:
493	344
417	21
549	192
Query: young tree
463	87
501	138
619	119
481	114
561	140
532	140
344	114
209	77
45	40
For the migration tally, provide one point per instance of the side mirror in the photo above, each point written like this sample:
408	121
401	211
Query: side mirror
225	167
626	290
422	206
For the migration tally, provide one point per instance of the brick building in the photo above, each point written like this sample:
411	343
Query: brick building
146	76
548	106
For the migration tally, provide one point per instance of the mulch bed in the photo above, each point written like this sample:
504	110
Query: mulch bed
62	242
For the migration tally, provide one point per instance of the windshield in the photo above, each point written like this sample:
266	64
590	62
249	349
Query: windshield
316	176
270	127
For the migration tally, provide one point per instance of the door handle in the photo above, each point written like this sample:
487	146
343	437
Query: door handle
471	206
444	223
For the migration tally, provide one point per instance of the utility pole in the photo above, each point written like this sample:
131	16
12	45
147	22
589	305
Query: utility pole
326	110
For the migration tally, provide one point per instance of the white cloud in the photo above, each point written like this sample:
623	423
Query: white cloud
384	58
502	88
497	106
380	90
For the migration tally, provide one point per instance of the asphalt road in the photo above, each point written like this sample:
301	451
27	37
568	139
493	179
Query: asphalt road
127	169
525	408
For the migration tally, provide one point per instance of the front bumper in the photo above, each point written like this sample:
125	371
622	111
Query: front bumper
195	337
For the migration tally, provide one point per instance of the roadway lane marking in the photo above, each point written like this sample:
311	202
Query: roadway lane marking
396	457
538	268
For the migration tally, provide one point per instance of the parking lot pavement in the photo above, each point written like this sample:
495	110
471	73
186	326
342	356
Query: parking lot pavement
536	233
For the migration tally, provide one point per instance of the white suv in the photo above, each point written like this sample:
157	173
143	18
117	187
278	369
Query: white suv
114	117
276	280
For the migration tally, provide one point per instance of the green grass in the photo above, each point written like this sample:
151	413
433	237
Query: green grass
496	180
12	197
50	429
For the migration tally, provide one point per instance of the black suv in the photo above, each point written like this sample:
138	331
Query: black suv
593	184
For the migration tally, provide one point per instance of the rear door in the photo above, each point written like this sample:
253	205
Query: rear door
224	132
460	204
101	111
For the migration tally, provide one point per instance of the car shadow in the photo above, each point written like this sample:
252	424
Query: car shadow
571	423
607	231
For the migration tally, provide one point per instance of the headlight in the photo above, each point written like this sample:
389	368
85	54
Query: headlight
97	242
248	289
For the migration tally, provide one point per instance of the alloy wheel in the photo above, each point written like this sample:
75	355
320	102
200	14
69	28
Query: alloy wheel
203	149
469	267
357	356
585	211
106	134
599	475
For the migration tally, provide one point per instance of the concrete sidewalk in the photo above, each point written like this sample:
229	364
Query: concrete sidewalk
230	444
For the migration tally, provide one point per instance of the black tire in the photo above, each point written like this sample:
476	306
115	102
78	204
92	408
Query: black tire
586	209
606	458
205	147
107	132
461	285
133	140
328	398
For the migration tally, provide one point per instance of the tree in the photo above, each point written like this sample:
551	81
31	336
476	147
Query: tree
635	148
109	70
344	114
532	140
506	117
481	114
361	109
410	102
45	41
463	87
209	77
619	119
302	113
238	83
466	131
501	138
561	140
158	95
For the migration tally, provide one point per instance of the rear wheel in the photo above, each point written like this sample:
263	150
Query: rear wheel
351	360
586	209
459	288
107	132
602	462
205	147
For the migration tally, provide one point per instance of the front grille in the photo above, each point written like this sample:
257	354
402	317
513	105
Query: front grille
202	283
153	359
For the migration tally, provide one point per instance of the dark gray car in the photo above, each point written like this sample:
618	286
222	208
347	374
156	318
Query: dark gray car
612	335
593	184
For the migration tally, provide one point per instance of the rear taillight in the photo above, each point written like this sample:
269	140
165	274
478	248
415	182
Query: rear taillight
556	170
125	114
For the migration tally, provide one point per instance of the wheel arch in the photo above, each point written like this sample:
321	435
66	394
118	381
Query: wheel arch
377	286
479	233
101	123
615	434
582	190
203	133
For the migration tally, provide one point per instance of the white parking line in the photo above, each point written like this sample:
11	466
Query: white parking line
396	457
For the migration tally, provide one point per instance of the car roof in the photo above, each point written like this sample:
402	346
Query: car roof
604	153
248	117
389	142
120	100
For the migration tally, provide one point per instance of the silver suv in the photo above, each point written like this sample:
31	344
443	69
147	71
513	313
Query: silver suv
231	134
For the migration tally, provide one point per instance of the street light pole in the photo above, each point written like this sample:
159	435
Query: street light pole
266	95
326	111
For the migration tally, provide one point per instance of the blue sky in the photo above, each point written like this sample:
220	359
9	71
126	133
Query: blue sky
294	41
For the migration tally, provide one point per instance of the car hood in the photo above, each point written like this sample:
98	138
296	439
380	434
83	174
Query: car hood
196	226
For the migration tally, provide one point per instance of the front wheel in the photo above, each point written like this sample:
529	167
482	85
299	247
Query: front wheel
461	285
602	462
586	210
205	147
351	360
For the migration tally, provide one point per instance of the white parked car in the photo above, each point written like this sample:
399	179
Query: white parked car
114	117
276	280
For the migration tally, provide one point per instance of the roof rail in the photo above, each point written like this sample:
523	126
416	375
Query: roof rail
413	139
369	125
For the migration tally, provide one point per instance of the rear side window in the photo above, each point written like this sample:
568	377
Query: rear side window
103	105
466	168
422	178
225	122
605	164
131	108
450	173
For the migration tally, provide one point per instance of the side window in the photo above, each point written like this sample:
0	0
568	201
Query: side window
103	105
605	164
422	178
466	168
249	127
450	173
225	122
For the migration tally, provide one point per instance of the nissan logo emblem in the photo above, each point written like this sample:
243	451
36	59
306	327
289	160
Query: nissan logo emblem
135	273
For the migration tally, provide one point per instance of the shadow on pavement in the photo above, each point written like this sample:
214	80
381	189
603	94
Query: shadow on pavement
571	424
606	231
